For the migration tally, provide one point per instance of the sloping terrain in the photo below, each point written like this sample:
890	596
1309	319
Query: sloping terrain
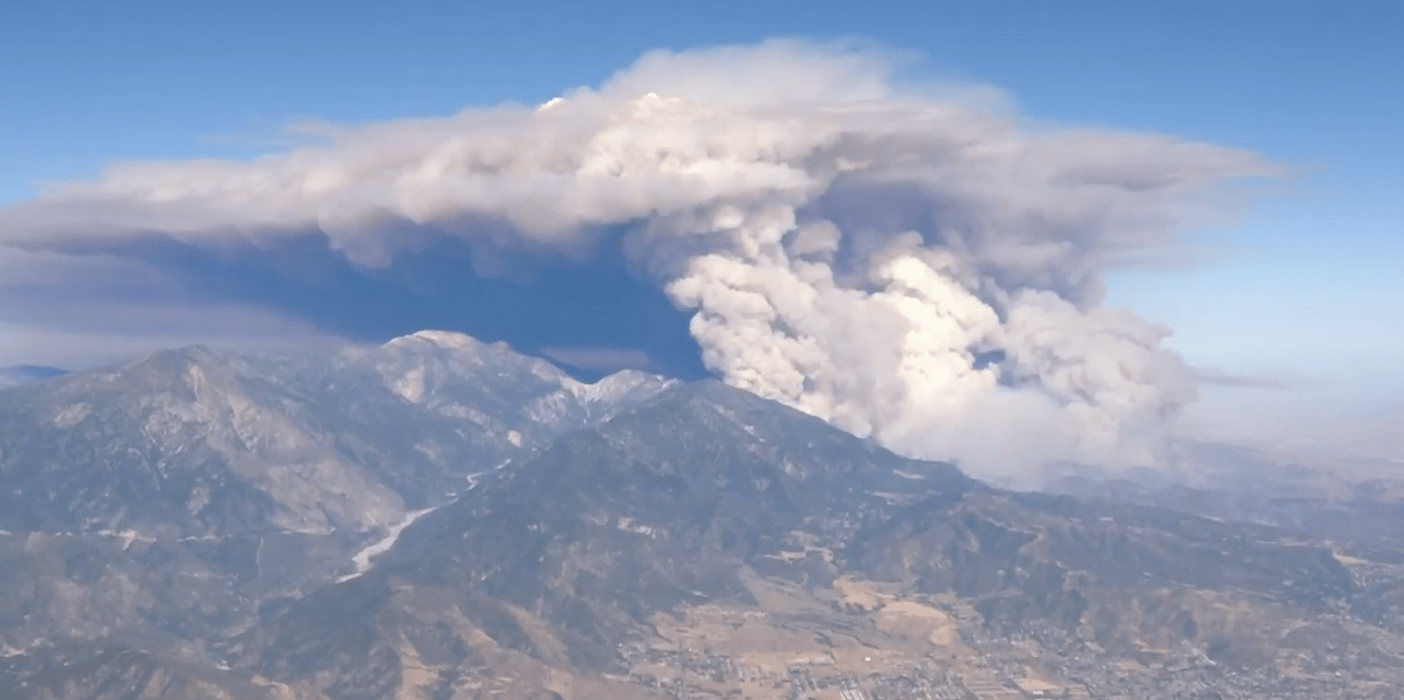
629	539
711	530
178	495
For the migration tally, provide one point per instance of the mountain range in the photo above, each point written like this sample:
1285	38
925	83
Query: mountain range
439	518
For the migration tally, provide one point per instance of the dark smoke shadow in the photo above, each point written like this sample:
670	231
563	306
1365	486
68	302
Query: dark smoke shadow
551	305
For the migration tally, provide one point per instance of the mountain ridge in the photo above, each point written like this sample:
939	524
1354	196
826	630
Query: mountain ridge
251	476
438	518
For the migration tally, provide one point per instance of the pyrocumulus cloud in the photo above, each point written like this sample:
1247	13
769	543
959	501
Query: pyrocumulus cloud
909	263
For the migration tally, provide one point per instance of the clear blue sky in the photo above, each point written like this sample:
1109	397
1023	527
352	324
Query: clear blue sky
1311	284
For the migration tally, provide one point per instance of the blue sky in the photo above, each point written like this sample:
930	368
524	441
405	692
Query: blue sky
1307	289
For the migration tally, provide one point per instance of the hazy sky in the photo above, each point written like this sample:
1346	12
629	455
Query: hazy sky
1305	292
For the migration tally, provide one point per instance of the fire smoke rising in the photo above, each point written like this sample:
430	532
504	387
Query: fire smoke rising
909	263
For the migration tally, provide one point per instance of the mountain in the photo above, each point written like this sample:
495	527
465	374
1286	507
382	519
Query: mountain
659	508
317	442
709	542
630	539
19	374
180	493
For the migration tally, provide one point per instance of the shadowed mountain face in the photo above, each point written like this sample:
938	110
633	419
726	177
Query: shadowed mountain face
629	539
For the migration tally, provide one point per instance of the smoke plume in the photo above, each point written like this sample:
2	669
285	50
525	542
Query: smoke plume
910	263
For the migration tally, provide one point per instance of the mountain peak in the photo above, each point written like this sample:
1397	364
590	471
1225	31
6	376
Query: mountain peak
616	386
450	340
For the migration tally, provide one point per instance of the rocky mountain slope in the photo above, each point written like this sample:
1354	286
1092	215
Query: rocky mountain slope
179	494
656	538
629	539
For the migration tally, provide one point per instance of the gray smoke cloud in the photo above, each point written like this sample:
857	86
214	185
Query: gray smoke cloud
910	263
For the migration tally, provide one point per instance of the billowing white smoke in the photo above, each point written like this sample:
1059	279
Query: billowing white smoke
908	263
